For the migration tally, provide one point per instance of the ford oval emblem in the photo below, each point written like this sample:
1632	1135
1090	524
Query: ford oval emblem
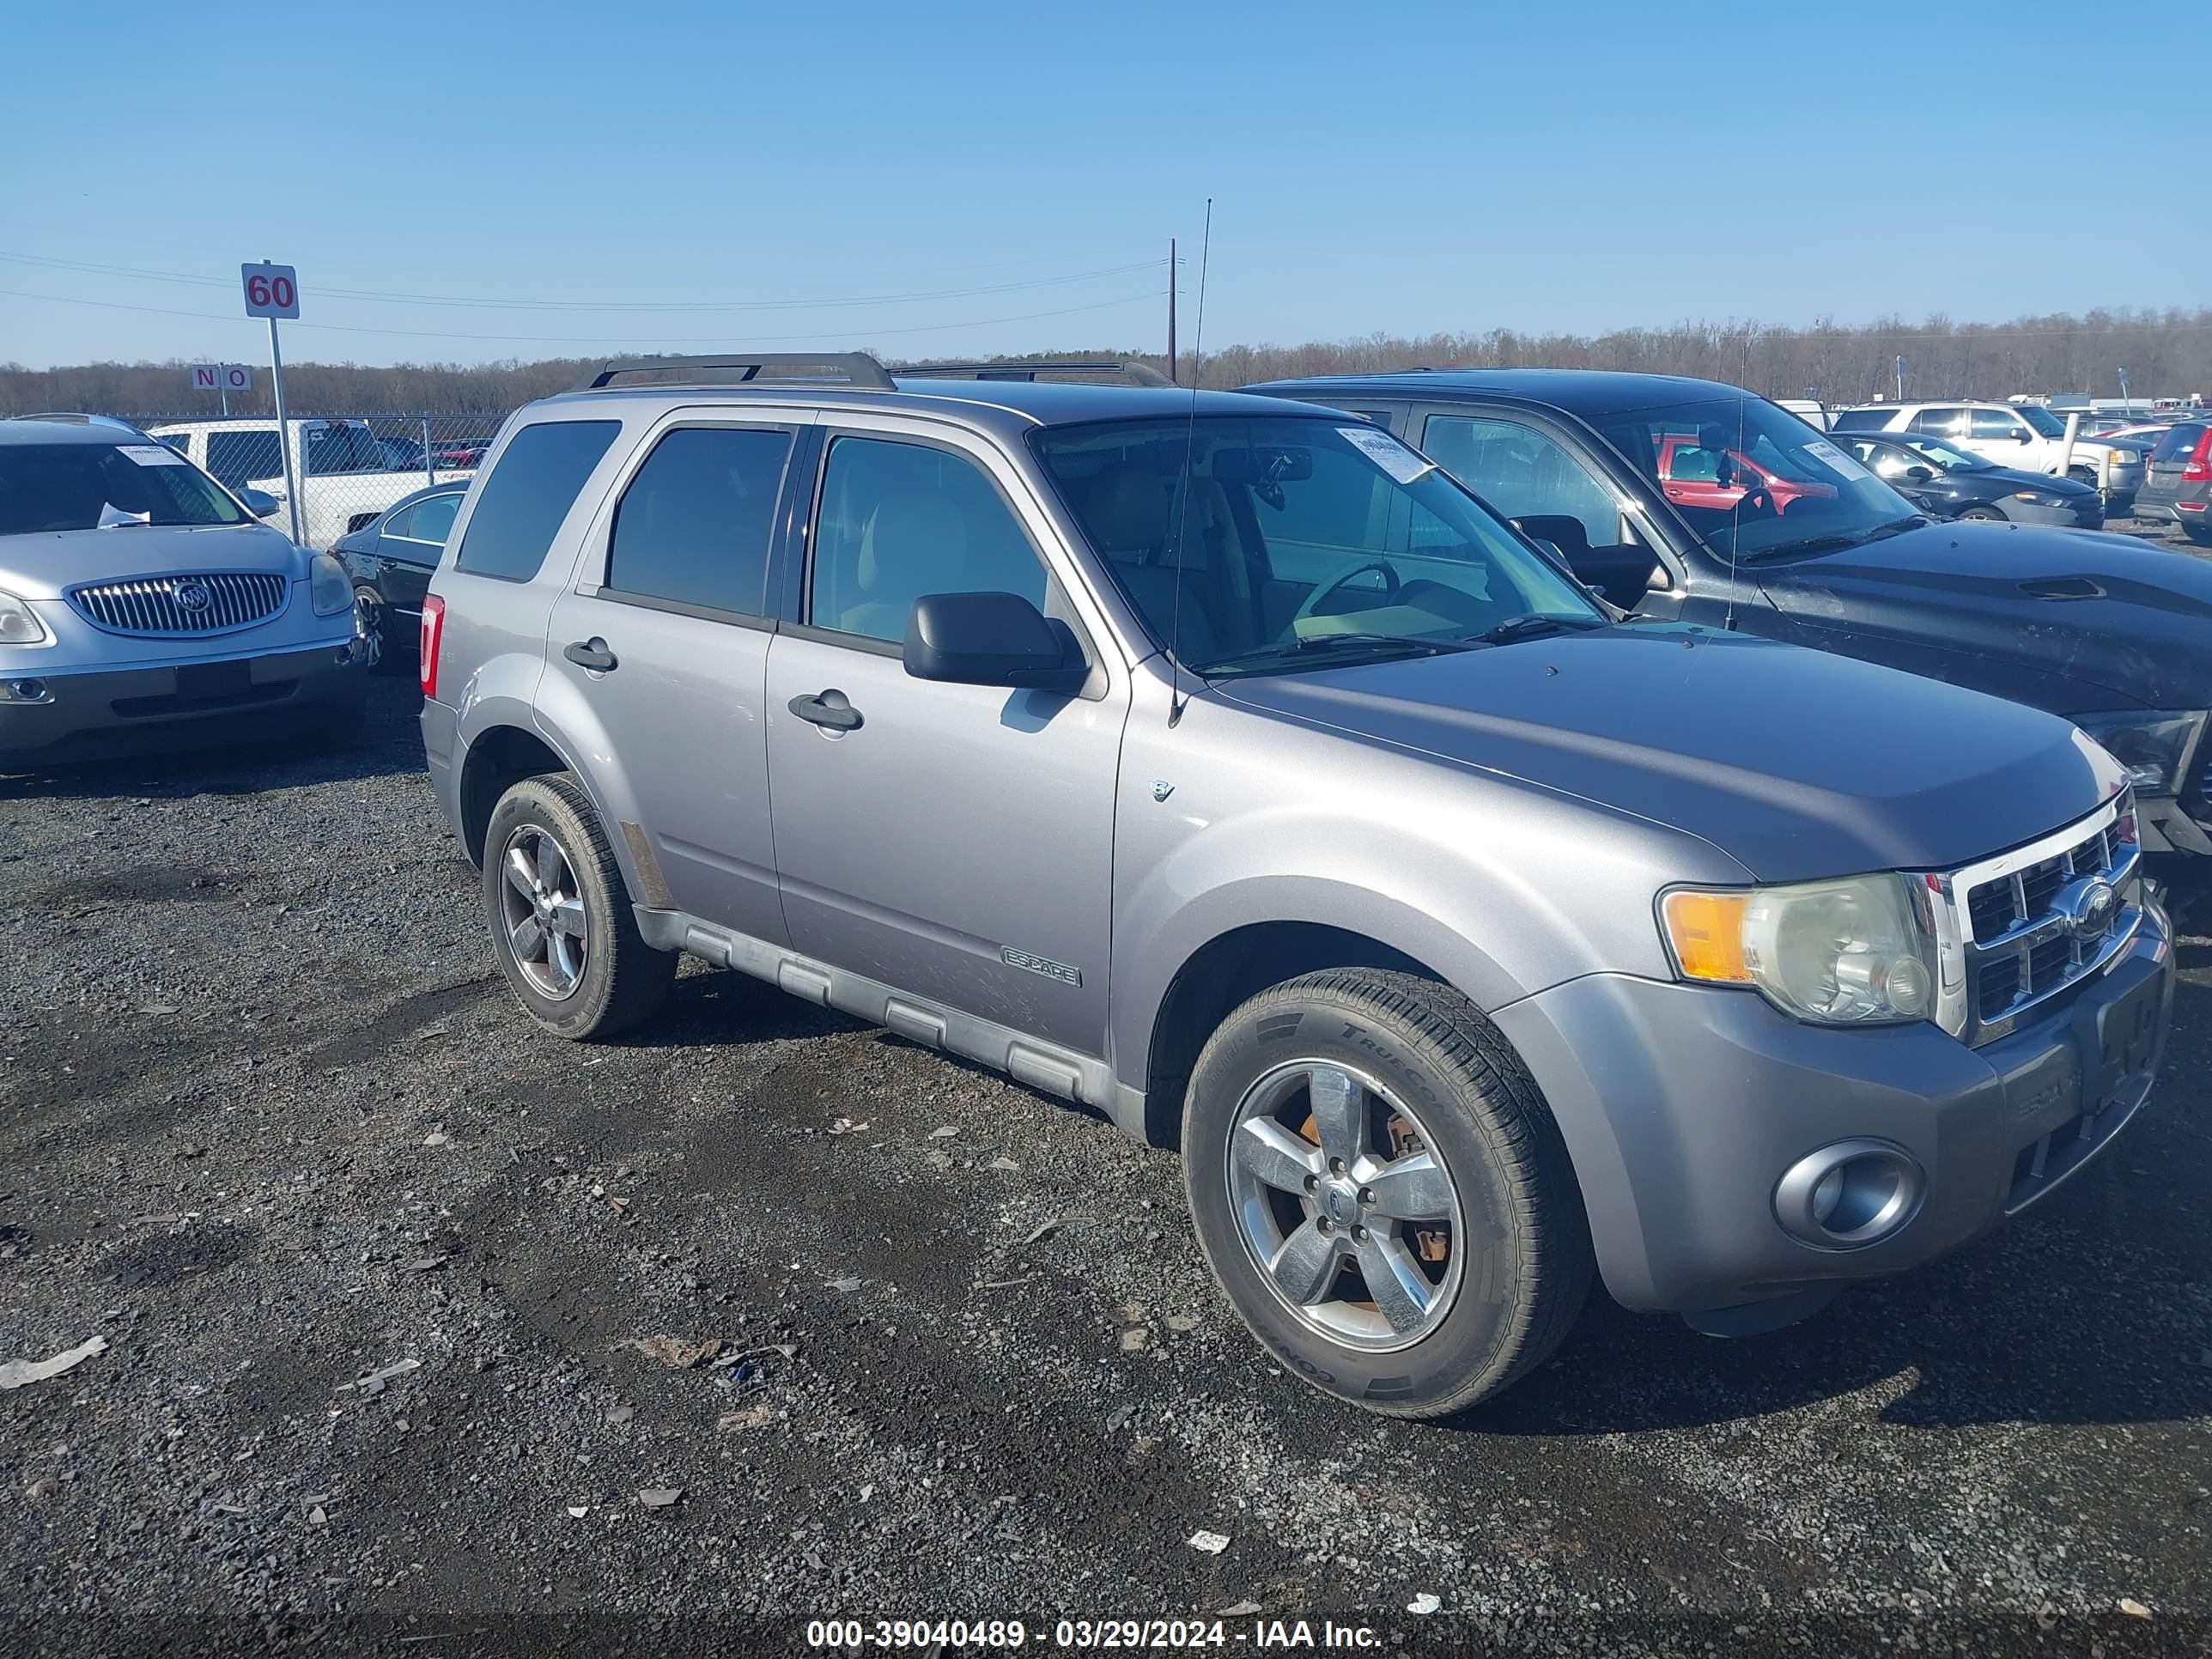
192	596
2089	908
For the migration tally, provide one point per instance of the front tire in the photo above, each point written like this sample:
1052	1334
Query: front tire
1378	1185
562	924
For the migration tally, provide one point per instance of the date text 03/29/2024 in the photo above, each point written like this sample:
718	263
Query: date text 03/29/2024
1121	1634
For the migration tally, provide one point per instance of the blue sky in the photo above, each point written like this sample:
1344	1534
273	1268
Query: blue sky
1399	168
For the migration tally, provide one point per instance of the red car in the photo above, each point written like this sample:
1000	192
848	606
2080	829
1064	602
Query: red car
1690	476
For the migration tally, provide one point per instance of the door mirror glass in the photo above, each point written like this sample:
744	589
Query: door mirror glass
991	638
259	502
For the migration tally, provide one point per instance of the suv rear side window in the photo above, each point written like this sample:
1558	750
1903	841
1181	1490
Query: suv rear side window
898	520
1940	422
693	526
528	494
1863	420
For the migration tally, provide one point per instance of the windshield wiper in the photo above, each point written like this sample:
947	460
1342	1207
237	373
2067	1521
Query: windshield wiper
1843	538
1528	626
1321	643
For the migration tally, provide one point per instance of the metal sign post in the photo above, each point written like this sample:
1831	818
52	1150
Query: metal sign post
273	291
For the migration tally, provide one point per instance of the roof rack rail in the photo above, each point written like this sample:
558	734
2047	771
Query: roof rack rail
1134	372
857	367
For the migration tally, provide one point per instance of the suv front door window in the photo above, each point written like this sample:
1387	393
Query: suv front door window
1988	427
956	836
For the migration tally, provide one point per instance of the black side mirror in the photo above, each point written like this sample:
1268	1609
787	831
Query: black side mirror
991	638
1920	475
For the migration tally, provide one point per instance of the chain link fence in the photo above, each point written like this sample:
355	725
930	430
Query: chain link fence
350	467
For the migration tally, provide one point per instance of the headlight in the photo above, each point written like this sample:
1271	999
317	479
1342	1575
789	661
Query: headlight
2154	745
20	624
2040	498
328	590
1852	952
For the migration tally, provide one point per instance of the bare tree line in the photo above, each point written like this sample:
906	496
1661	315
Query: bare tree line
2165	353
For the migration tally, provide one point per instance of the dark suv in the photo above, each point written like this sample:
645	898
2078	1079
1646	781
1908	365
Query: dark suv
2107	630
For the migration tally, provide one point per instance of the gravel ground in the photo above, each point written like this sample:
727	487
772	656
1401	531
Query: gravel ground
269	1125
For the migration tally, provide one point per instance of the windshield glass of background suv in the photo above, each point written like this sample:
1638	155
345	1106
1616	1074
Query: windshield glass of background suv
45	487
1810	491
2043	419
1295	529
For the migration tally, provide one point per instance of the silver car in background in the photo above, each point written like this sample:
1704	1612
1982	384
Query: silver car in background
144	610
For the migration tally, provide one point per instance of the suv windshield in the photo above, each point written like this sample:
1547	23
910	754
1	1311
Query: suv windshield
2042	419
1774	484
45	487
1300	542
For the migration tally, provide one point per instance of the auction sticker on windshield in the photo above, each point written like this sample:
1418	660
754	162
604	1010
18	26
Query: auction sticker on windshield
152	454
1836	461
1387	452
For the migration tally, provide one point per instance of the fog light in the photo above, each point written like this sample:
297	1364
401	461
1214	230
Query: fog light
1849	1194
25	690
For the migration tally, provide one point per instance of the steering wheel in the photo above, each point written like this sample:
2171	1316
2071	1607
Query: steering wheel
1758	503
1312	606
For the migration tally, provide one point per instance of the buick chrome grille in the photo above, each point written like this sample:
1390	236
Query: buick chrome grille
200	604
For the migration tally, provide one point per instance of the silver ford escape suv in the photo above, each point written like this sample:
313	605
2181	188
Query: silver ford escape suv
1217	761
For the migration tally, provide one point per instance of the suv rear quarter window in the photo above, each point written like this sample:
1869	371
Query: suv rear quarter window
693	526
527	495
1863	420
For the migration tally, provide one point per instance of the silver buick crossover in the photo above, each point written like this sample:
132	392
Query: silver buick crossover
144	610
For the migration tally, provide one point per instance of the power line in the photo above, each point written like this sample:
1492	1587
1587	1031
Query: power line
599	339
384	297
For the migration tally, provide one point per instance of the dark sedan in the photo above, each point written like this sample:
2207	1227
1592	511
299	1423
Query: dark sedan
1946	482
390	560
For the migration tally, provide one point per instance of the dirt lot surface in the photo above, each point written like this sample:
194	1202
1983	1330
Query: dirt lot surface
270	1126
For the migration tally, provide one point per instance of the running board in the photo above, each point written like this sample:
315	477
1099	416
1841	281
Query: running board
1043	1065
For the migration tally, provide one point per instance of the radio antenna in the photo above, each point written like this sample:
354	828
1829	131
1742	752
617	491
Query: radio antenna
1176	699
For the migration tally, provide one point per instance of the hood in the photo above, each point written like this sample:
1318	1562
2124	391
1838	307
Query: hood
1796	763
40	566
2127	624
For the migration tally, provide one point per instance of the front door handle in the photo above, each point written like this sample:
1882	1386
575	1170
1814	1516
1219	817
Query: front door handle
591	653
827	708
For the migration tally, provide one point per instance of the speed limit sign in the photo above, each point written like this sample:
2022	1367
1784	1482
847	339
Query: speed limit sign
271	290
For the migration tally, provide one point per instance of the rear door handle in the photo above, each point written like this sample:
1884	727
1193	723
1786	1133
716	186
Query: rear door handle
827	708
591	653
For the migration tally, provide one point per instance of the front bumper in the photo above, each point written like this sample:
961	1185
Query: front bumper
2089	515
106	714
1682	1107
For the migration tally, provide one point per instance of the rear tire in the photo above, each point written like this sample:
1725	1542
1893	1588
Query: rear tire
561	921
2201	534
1515	1262
376	629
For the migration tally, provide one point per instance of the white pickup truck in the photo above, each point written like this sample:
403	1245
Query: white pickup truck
346	476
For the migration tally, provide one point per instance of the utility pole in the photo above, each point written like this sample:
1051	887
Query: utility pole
1172	297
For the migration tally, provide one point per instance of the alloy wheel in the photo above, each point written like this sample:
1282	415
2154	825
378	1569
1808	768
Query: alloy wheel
543	905
1347	1211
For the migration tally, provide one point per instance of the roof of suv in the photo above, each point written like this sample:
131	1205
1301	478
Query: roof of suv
1005	407
1584	391
28	429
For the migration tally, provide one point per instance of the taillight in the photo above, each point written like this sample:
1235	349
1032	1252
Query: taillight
434	630
2199	469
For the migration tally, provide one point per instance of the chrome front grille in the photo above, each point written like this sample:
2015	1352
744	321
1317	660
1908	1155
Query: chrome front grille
2026	925
213	603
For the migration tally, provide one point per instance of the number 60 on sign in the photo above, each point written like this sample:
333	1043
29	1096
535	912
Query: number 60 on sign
271	290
